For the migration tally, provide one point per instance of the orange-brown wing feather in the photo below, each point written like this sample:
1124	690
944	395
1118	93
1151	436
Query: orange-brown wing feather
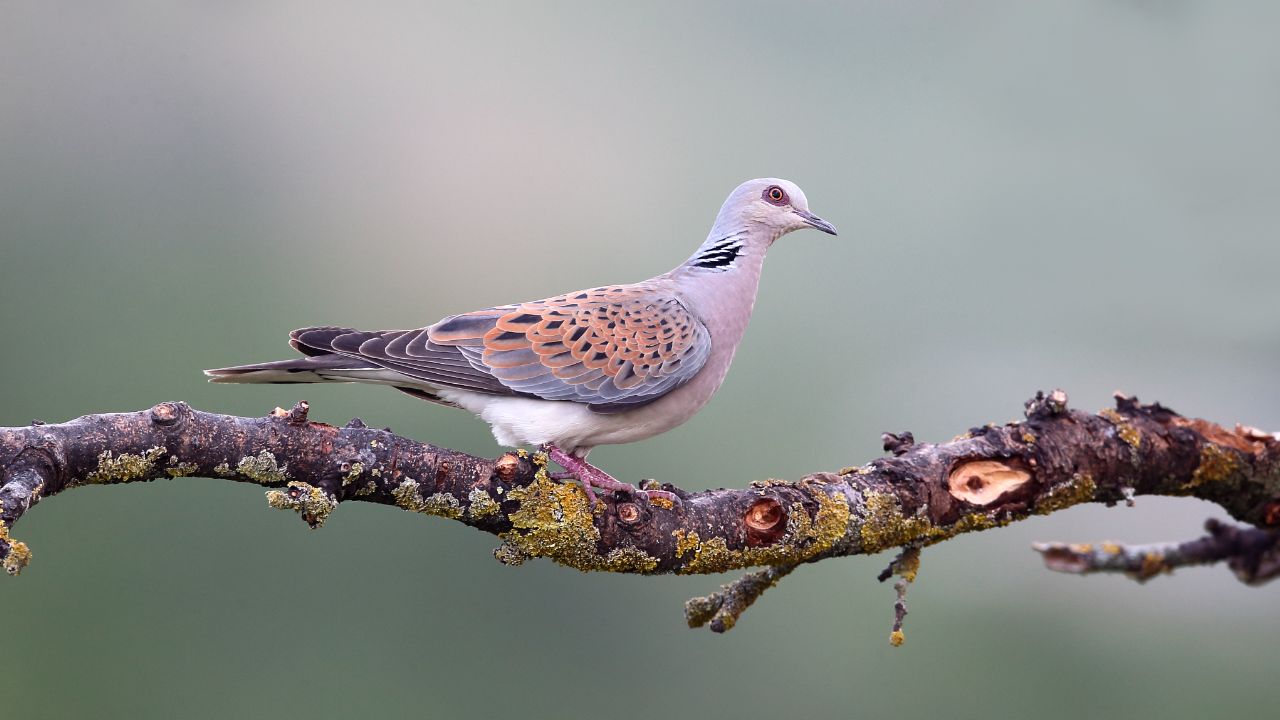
612	347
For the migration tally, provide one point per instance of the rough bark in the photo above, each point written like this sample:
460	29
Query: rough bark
923	494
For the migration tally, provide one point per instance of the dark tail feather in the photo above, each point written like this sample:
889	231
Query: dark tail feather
313	369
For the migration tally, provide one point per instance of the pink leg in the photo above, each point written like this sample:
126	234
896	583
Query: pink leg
593	477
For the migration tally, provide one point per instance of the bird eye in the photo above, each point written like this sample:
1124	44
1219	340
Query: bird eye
775	195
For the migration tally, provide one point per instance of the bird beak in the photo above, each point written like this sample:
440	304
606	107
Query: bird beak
816	222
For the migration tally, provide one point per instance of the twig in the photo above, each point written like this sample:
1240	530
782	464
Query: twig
906	565
1252	554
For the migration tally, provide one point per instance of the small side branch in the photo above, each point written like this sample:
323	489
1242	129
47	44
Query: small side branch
906	565
722	609
1253	554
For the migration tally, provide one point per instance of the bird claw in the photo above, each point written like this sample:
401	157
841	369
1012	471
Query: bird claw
592	478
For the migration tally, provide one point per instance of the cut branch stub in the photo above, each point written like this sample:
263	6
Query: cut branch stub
765	521
507	466
629	513
982	482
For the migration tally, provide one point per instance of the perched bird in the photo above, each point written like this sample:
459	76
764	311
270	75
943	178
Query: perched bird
613	364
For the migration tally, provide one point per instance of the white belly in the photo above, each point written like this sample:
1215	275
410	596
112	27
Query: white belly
517	421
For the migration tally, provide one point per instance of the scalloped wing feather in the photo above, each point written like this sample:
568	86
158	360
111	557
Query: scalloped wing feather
613	347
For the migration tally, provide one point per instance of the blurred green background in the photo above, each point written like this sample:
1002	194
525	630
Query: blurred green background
1078	194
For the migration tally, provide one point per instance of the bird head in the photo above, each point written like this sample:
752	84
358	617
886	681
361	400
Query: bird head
772	205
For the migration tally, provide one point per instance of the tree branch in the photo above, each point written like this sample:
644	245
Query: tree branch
923	494
1253	554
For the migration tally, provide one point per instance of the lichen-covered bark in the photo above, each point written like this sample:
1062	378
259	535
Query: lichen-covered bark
924	493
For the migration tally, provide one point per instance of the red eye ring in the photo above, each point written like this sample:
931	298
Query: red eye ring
775	195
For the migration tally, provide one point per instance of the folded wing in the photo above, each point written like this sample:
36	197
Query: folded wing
612	348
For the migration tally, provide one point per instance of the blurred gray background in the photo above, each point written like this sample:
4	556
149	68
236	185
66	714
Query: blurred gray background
1076	194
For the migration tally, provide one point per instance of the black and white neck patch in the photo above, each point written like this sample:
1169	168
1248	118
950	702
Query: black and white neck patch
718	255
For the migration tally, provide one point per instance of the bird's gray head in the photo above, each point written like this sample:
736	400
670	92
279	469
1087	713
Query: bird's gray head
771	205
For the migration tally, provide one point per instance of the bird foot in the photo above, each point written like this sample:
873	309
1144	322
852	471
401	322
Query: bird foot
593	477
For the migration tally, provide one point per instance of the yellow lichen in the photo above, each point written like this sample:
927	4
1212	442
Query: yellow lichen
908	565
353	474
896	638
685	541
1028	438
1215	465
407	496
19	554
481	505
182	470
1081	489
123	469
1152	564
885	526
1124	430
630	560
554	520
662	502
509	554
262	468
972	522
805	537
313	503
1111	548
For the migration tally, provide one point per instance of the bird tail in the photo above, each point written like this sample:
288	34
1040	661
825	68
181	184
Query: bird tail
311	369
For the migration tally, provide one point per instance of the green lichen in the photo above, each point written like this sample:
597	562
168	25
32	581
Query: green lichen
19	554
1216	465
353	474
223	470
481	505
1124	430
367	489
262	468
409	497
313	503
125	468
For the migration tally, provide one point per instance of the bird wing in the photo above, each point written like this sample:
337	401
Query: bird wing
612	348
